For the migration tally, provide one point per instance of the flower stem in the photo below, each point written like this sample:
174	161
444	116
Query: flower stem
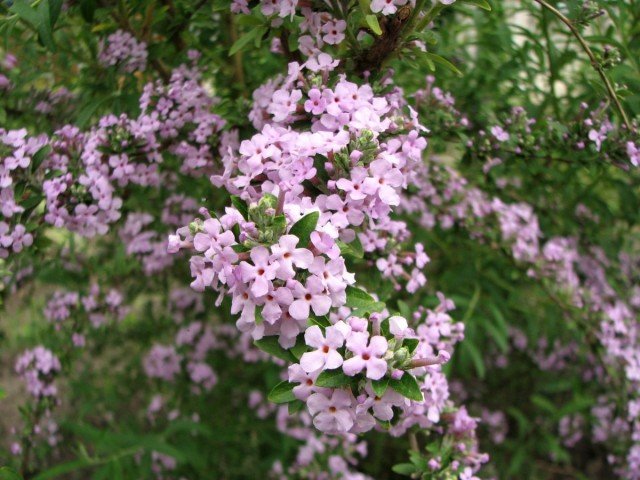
594	61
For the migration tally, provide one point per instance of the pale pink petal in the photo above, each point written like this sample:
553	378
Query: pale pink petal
312	361
333	360
378	345
313	337
353	365
376	368
299	309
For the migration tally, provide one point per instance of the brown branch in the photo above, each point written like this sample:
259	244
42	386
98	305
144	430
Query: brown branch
385	45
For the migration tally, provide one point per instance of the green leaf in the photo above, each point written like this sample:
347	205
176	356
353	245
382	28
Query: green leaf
39	156
88	9
241	206
408	387
45	31
411	344
303	228
443	62
299	348
62	468
322	321
483	4
243	41
295	407
372	22
405	468
498	336
271	346
282	393
261	31
380	386
544	403
23	9
7	473
476	357
55	7
353	249
333	379
405	311
362	301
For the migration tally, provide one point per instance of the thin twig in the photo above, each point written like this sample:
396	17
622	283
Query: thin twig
594	61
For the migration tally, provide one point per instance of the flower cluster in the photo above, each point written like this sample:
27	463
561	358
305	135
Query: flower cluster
17	152
307	202
123	50
38	367
73	311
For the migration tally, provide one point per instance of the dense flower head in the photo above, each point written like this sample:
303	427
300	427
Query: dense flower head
123	50
38	368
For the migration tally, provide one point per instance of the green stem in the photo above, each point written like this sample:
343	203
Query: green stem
552	64
429	16
594	61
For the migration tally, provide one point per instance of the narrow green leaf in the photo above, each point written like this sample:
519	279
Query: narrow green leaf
88	9
372	22
353	249
62	468
241	206
405	469
282	393
483	4
23	9
7	473
45	31
39	156
303	228
380	386
322	321
362	301
443	62
476	357
408	387
243	41
295	407
299	348
271	346
411	344
333	379
55	7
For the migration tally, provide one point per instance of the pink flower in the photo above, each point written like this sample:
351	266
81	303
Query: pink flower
367	356
381	406
334	31
346	213
213	239
306	381
384	181
273	303
257	150
499	133
312	297
283	103
316	104
287	255
261	272
386	7
325	356
353	187
331	415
